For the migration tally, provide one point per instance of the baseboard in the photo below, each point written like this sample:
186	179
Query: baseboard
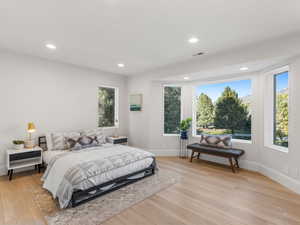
281	178
3	170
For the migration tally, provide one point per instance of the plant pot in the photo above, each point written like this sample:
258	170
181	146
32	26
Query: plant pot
19	147
184	135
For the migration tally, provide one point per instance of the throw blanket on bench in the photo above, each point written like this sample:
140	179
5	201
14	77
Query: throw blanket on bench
87	168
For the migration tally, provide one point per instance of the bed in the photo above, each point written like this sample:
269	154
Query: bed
74	177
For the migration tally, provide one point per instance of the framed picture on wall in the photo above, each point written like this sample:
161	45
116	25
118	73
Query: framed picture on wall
135	102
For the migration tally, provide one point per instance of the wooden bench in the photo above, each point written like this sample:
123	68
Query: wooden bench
230	153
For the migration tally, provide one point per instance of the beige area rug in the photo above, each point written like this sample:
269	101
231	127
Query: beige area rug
100	209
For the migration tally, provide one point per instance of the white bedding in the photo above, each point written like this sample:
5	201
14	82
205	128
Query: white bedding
48	155
56	174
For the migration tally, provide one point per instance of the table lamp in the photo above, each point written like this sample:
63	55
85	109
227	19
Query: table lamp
30	129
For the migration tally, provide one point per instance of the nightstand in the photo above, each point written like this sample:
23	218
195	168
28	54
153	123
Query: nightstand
123	140
17	159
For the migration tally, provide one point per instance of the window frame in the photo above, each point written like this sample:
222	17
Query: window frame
163	107
116	108
194	106
270	108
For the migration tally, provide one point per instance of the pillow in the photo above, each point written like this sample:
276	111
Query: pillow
82	142
49	141
58	140
221	141
98	132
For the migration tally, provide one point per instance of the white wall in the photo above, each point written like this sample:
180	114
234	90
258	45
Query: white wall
56	97
283	167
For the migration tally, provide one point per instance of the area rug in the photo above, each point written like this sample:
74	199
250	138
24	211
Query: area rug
100	209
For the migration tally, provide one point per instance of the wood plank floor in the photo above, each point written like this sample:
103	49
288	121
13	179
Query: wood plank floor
207	194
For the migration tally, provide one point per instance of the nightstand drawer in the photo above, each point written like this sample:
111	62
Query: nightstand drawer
119	141
24	155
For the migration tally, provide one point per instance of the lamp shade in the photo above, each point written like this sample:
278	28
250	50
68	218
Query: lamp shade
31	127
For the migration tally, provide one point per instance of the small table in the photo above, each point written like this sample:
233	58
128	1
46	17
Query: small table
123	140
17	159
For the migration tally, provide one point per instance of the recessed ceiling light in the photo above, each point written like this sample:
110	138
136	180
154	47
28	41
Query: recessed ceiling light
193	40
121	65
51	46
186	78
244	68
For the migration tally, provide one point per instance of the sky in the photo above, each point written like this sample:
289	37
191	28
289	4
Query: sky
281	81
242	87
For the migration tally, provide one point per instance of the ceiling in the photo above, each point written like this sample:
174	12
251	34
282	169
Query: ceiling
228	70
143	35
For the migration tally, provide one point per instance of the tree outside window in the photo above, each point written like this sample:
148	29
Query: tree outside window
281	113
106	107
224	108
172	109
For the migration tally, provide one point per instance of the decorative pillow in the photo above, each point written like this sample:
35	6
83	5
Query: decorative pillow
59	140
82	142
49	141
98	132
223	141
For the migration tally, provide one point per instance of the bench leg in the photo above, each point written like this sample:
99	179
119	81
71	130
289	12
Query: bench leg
192	156
198	156
237	163
231	164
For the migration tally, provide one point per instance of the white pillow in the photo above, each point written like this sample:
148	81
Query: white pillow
49	141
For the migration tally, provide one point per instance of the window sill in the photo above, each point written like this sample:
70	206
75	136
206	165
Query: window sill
278	148
242	141
171	135
109	127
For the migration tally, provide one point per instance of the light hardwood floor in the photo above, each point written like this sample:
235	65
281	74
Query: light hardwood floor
207	194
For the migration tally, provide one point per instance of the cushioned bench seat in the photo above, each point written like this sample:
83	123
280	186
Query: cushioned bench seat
230	153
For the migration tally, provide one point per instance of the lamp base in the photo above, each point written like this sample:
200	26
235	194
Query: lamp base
29	144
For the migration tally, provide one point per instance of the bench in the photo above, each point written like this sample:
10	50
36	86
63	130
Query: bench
229	153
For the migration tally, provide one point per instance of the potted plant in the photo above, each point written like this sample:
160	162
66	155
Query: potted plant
184	127
19	144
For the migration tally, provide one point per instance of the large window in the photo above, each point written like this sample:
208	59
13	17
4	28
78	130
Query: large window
172	109
281	112
223	108
107	107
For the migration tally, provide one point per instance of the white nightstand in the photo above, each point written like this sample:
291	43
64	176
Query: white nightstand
123	140
17	159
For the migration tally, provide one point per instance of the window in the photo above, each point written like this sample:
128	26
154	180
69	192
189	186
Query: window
223	108
281	111
172	109
107	107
